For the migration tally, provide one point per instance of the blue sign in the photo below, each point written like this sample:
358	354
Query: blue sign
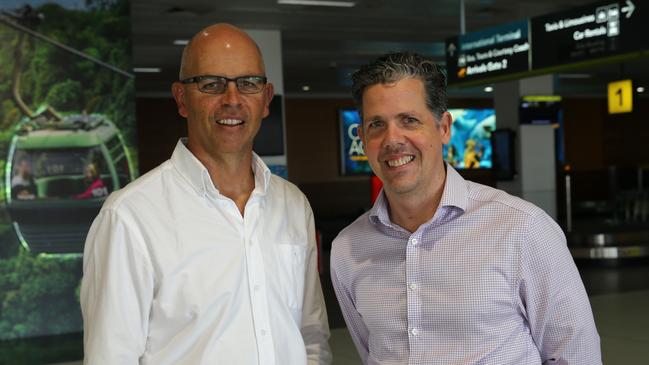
353	158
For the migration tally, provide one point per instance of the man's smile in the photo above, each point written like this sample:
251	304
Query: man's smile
229	122
400	161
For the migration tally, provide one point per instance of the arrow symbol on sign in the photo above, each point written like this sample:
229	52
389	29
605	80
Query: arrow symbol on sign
451	48
628	9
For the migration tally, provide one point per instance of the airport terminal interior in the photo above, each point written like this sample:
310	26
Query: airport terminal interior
551	97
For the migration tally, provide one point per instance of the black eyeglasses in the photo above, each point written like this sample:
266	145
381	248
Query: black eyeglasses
217	84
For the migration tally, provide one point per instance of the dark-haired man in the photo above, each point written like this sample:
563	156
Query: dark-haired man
442	270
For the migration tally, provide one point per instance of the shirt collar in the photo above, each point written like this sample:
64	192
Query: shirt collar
199	178
455	195
456	191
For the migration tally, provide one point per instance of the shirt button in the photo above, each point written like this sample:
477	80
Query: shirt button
414	241
263	332
256	287
414	331
412	286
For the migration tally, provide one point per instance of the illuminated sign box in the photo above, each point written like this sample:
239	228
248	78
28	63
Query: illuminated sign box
470	144
491	52
592	33
599	30
352	156
620	97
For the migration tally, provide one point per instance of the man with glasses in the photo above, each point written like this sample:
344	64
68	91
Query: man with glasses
207	259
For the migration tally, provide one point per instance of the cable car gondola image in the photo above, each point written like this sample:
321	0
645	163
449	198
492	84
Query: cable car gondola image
60	167
58	174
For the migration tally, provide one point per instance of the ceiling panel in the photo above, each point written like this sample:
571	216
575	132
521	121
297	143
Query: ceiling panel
321	46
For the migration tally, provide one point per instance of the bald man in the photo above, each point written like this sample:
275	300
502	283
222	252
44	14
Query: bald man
207	259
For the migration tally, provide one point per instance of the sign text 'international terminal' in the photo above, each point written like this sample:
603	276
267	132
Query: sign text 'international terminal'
591	32
495	51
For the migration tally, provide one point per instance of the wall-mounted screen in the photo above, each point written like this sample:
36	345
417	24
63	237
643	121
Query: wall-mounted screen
470	145
270	138
504	155
544	110
352	157
540	109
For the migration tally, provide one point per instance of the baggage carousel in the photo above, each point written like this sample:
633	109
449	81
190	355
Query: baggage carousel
609	245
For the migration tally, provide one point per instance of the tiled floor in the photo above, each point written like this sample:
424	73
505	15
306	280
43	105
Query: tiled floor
619	297
343	348
623	324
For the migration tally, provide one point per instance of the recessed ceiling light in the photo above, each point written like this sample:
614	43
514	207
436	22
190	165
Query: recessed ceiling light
488	89
640	89
306	88
181	42
147	69
341	4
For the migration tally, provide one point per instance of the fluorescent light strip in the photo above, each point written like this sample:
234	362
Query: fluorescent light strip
341	4
574	76
181	42
146	69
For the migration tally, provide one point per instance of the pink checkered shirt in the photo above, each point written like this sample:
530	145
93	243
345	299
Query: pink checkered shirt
488	280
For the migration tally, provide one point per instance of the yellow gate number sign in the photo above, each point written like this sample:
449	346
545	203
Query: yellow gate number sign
620	97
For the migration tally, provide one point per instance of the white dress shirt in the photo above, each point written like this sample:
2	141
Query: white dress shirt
174	274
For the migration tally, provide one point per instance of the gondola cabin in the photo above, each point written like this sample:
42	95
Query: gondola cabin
58	174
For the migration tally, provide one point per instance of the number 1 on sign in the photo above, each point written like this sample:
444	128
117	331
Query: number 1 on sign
620	97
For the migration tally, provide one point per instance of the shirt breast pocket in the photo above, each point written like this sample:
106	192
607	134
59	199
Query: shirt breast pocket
291	265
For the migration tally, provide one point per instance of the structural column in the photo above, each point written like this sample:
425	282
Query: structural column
535	144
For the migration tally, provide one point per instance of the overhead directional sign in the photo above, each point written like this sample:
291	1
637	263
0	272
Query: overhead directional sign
595	32
487	53
602	29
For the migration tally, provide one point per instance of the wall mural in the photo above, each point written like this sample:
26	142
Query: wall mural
67	139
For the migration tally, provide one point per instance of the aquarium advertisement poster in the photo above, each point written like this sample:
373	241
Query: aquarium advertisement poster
353	159
67	140
470	144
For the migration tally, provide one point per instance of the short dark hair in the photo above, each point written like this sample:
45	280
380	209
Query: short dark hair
394	67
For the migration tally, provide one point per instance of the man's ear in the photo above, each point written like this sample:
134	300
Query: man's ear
269	92
445	127
178	91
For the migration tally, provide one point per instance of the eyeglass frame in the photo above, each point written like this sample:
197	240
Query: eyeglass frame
197	79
